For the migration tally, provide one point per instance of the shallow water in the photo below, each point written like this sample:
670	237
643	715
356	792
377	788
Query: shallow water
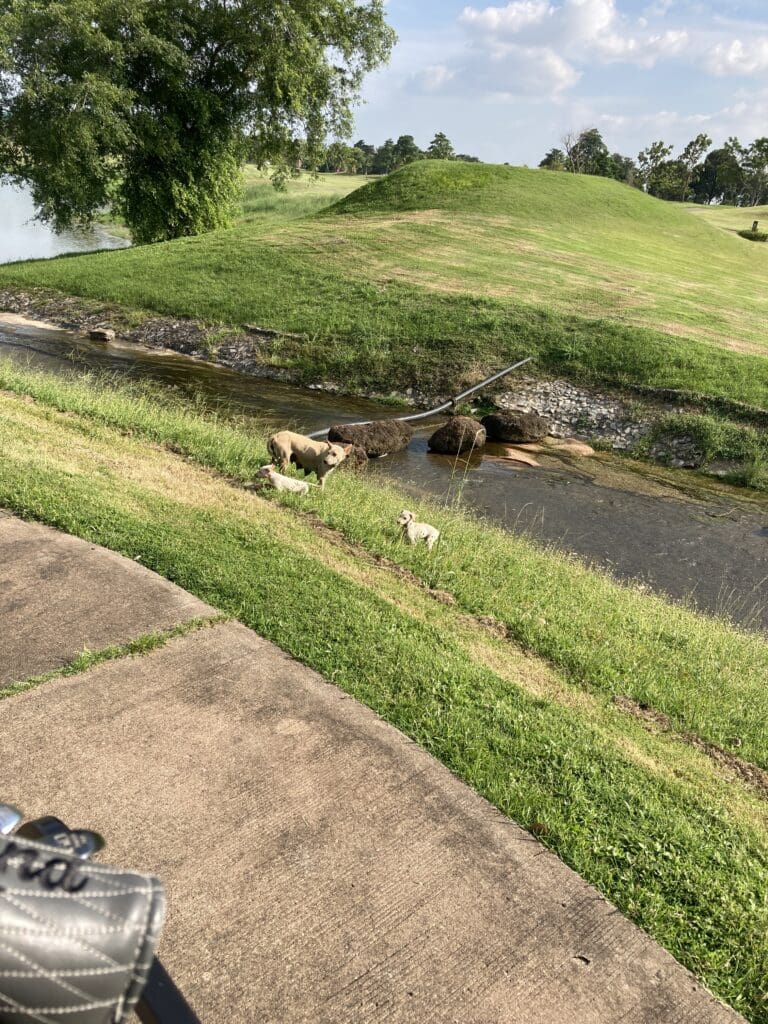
713	551
24	238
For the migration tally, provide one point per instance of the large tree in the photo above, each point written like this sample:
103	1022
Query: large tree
406	151
719	179
650	162
441	148
690	160
146	104
754	164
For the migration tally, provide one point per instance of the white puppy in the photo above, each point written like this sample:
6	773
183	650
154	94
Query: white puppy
417	531
283	483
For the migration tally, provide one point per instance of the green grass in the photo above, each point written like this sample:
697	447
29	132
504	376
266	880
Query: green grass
442	271
647	819
708	677
88	659
732	218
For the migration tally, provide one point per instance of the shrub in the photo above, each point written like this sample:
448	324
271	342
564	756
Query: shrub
754	236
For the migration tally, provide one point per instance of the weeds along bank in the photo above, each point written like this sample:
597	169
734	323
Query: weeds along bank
519	668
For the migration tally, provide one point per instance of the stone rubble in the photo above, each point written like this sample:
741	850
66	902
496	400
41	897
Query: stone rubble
576	412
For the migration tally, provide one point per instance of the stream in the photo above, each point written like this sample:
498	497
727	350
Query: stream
708	545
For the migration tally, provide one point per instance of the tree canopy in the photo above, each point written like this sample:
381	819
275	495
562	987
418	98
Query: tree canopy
148	104
734	173
363	158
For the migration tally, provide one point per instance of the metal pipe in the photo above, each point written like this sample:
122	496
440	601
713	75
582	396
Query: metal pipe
440	408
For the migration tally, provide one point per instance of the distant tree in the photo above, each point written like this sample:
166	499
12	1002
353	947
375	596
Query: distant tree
342	159
406	151
554	160
385	159
440	148
467	159
719	179
146	105
623	168
690	159
668	180
572	150
585	153
594	157
649	162
367	156
754	165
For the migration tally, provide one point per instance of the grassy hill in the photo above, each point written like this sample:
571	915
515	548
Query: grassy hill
443	270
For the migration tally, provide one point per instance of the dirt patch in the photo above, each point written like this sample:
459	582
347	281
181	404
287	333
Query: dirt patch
657	721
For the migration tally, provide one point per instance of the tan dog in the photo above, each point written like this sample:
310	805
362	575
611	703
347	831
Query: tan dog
318	457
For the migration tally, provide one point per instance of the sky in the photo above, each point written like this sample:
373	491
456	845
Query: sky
505	82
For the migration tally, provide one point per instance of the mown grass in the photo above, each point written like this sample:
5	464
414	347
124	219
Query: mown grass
707	676
441	271
649	821
262	203
731	218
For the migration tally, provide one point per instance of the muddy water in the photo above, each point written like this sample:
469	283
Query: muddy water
710	548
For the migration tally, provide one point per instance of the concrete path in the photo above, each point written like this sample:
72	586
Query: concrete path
320	867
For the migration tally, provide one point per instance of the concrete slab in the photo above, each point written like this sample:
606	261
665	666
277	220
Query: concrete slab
320	866
59	595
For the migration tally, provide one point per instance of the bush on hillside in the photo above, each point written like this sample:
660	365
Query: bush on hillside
754	236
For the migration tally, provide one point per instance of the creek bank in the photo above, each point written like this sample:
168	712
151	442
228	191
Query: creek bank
645	423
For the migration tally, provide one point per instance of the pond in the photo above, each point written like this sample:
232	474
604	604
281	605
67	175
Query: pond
24	238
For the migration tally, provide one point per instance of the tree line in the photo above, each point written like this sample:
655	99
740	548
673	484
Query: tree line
363	158
733	173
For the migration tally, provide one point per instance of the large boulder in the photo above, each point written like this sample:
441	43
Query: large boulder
514	427
356	460
458	435
378	438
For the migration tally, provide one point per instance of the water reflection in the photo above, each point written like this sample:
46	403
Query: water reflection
23	238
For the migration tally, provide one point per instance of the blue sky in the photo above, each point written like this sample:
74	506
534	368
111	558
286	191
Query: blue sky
505	81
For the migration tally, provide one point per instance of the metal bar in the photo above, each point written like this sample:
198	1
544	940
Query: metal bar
438	409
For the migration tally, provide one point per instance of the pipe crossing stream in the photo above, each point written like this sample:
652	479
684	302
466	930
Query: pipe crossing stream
711	549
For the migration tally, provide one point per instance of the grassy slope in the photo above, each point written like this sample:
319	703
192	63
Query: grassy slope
442	270
650	820
731	218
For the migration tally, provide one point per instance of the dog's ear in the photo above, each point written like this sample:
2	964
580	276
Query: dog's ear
348	448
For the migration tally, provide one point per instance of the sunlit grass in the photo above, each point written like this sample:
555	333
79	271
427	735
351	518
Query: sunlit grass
528	721
440	272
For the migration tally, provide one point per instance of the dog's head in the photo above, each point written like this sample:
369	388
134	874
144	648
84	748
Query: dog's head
266	470
405	517
335	454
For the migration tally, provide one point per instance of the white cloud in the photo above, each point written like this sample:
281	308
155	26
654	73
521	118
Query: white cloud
436	76
737	58
543	47
539	47
512	18
746	118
